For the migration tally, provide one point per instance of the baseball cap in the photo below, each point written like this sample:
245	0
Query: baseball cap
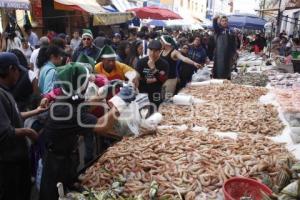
8	59
155	45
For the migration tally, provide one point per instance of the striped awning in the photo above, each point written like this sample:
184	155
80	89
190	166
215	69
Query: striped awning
90	6
122	6
15	4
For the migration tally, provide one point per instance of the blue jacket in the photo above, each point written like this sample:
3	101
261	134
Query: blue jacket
47	78
197	54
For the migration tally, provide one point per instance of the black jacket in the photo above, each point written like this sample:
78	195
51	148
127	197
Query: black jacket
12	148
92	52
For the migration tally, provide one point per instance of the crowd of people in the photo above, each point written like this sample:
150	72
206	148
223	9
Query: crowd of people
55	70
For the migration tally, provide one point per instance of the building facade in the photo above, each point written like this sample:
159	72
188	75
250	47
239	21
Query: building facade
289	12
194	8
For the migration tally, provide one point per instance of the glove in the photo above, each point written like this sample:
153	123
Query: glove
126	95
110	89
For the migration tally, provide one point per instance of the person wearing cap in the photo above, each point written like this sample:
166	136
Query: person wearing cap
109	67
70	118
116	41
171	55
86	47
82	58
153	72
50	58
14	158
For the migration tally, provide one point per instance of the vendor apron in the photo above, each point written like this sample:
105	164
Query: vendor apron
224	52
15	180
58	168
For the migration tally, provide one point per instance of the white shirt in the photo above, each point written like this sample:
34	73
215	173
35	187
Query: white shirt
33	39
33	60
13	44
75	43
27	52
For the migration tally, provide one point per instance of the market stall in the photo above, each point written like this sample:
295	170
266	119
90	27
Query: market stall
225	132
211	132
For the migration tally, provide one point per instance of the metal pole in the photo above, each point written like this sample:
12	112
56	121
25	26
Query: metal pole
262	13
278	19
270	47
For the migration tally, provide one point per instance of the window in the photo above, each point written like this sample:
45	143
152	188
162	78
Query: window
295	27
284	22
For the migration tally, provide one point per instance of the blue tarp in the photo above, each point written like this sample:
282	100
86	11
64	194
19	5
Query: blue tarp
246	21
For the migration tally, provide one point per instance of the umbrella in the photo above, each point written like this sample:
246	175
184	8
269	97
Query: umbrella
154	12
156	22
246	21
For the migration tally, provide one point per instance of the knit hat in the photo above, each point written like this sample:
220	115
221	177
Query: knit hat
168	40
107	52
82	58
74	79
88	33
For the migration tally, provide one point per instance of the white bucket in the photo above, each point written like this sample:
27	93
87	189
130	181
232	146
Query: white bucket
183	100
154	119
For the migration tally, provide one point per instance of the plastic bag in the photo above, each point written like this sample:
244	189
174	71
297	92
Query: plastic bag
295	134
129	121
203	74
149	125
91	91
292	190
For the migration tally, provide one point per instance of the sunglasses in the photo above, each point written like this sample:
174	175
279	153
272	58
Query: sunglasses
185	48
88	39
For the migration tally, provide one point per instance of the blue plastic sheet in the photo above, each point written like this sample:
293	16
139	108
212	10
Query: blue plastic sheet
246	21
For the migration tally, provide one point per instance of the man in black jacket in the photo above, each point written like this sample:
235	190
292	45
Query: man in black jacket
14	155
225	48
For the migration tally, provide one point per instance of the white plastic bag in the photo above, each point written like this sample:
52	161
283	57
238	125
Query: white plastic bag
129	121
91	91
149	125
201	75
295	134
